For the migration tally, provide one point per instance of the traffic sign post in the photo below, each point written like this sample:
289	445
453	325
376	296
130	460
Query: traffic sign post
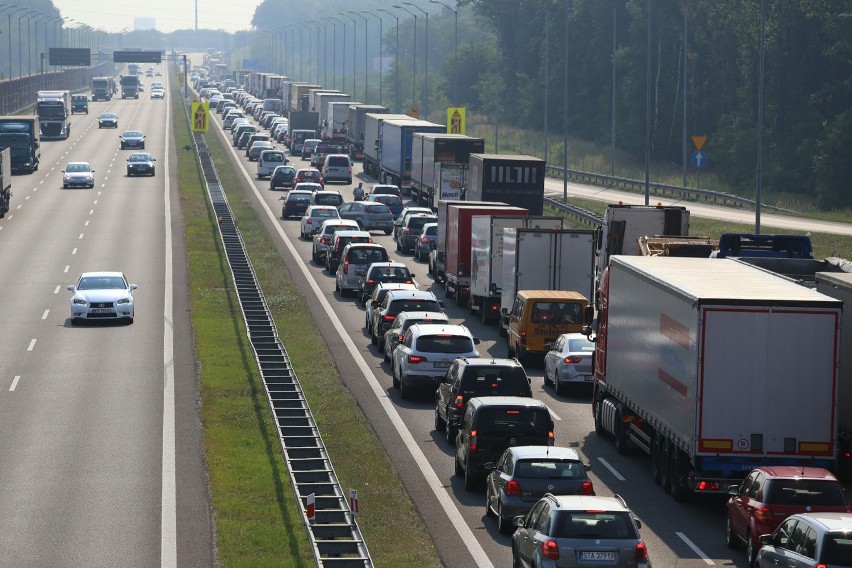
413	112
311	508
137	56
200	115
456	120
353	501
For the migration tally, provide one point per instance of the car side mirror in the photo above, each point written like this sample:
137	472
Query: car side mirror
441	303
548	347
638	523
71	288
734	490
587	466
476	341
504	311
488	466
765	539
134	286
374	304
411	275
518	522
586	330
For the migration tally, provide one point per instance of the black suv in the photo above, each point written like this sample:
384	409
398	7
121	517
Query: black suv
469	378
493	423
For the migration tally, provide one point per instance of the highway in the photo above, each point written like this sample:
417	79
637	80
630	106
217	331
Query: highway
678	535
101	443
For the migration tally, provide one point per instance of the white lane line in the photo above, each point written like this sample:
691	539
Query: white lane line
56	291
10	216
1	227
695	549
14	383
19	206
27	197
611	469
86	224
553	414
91	211
67	268
439	487
44	315
99	194
96	202
80	237
32	344
74	251
168	521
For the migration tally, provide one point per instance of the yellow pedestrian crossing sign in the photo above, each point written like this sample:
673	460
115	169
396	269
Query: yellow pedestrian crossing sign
456	120
200	116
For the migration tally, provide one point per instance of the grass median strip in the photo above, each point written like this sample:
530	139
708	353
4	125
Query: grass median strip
256	514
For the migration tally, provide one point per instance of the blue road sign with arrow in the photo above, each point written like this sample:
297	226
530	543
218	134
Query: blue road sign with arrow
698	159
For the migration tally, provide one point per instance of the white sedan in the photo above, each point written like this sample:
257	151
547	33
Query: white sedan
102	295
78	174
314	217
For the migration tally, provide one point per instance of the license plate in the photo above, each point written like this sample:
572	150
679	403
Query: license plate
361	272
594	555
101	310
442	364
587	378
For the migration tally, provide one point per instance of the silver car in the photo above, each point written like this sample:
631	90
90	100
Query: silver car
370	216
337	167
324	237
403	321
808	540
102	295
569	362
354	260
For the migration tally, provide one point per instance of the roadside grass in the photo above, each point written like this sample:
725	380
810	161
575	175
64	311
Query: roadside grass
824	244
256	514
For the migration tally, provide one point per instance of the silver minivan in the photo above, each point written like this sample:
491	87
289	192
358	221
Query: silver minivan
354	261
337	167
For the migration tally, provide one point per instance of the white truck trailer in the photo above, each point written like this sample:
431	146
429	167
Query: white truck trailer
715	367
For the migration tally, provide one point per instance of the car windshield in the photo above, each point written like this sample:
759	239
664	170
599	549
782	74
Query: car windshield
327	199
416	223
805	492
594	525
132	134
550	469
444	343
557	312
77	168
107	115
101	283
432	231
140	158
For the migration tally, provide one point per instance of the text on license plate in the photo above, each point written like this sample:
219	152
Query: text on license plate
101	310
442	364
361	272
595	555
587	378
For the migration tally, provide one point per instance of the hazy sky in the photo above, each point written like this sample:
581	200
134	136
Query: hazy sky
116	15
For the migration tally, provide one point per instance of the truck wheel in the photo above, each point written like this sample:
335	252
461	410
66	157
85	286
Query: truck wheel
655	459
621	440
599	427
679	476
665	465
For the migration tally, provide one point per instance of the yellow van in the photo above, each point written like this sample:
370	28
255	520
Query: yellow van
539	317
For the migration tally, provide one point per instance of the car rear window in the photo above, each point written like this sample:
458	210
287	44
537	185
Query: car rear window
328	200
338	162
550	469
273	157
413	305
416	223
367	256
557	312
388	199
323	213
805	492
837	550
594	525
331	229
487	381
512	419
432	231
377	208
343	241
444	343
580	345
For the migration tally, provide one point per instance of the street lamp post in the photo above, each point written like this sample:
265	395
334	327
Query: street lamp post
396	63
381	53
455	50
40	19
413	57
366	80
26	15
334	47
425	59
316	57
354	30
333	50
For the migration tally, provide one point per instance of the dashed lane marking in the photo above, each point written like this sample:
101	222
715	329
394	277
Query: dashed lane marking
611	469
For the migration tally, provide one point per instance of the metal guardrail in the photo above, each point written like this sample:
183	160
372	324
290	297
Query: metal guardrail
577	212
334	534
636	185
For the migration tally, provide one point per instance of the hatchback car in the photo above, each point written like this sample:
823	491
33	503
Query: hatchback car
382	313
524	474
102	295
107	120
408	211
339	242
770	494
385	188
354	261
242	139
808	540
409	231
589	530
569	362
268	160
421	360
158	93
374	303
403	321
78	174
140	163
295	204
337	167
308	147
370	216
230	117
309	174
333	198
325	236
393	202
253	152
383	272
314	216
425	241
282	177
132	139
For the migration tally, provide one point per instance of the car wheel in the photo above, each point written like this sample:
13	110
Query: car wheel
314	256
504	525
129	321
751	551
386	356
388	231
557	386
395	378
153	172
129	174
665	466
337	287
488	511
469	480
380	342
679	476
730	538
440	423
451	435
64	186
459	471
404	389
373	339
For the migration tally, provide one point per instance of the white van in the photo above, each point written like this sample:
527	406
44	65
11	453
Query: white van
268	161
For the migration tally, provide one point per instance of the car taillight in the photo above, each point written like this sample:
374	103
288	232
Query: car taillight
472	444
346	267
523	338
550	438
388	318
549	549
416	359
587	488
309	221
640	554
425	240
350	170
324	240
369	282
459	402
407	230
513	488
573	359
763	514
325	169
399	337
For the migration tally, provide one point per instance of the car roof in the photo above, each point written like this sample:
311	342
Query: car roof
103	273
440	328
550	295
78	164
492	401
300	192
590	502
422	315
342	223
389	264
488	361
365	245
833	522
796	472
554	452
412	294
358	233
322	207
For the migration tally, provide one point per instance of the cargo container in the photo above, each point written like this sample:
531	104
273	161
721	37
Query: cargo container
396	138
514	179
372	124
5	180
21	135
439	165
337	122
355	126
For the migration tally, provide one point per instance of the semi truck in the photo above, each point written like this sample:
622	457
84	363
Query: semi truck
313	97
54	114
457	244
101	90
355	126
624	224
5	181
487	257
129	86
396	138
322	101
706	373
545	259
337	123
513	179
438	254
21	135
301	120
297	91
372	126
438	165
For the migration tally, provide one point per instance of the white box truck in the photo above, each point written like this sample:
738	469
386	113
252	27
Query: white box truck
713	367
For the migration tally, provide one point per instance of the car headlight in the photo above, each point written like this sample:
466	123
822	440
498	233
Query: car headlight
66	177
80	302
123	301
